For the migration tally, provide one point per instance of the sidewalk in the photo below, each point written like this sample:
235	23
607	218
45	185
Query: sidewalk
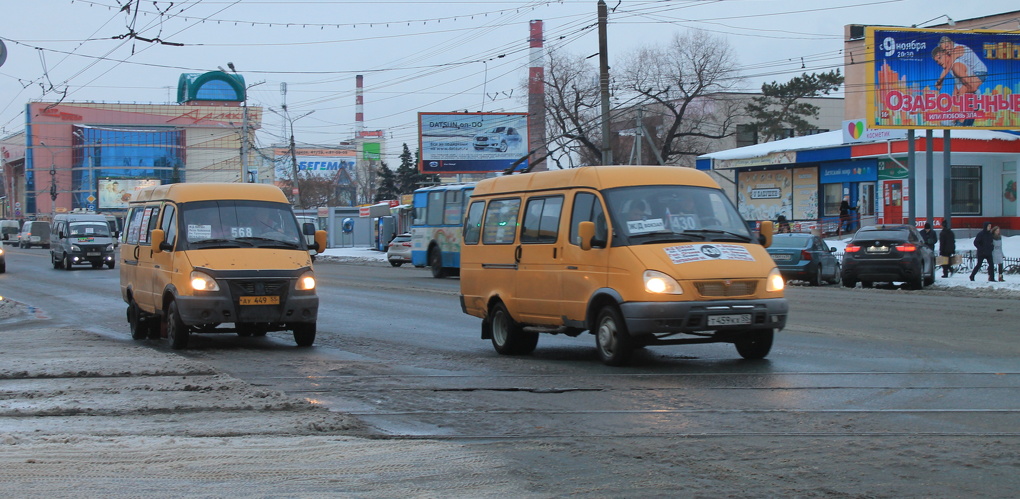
85	414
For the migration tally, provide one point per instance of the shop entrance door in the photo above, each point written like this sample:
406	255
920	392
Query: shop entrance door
892	201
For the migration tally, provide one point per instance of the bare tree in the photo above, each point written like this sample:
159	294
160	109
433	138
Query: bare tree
680	88
683	83
572	111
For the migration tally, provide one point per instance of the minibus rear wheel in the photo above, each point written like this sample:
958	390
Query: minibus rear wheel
611	337
508	337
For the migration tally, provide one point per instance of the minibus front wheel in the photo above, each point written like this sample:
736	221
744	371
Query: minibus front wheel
611	337
304	334
508	337
756	344
176	330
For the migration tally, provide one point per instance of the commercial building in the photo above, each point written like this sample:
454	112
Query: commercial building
92	156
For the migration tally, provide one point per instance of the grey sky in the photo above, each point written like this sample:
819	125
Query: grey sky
430	56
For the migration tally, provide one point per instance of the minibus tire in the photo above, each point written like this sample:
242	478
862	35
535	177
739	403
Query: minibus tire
611	337
304	334
139	328
508	337
67	262
176	330
757	345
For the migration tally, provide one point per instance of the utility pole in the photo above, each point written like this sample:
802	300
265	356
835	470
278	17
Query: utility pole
607	150
296	190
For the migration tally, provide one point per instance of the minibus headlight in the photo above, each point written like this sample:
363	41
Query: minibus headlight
306	282
774	282
661	283
109	247
75	248
200	281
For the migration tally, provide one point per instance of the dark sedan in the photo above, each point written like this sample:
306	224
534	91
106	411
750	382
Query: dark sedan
805	257
888	253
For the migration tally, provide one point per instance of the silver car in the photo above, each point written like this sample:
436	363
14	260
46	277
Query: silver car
399	250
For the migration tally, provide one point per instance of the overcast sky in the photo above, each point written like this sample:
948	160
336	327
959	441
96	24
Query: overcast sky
430	56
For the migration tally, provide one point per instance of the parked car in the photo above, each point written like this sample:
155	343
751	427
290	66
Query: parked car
500	138
888	253
805	257
399	250
34	233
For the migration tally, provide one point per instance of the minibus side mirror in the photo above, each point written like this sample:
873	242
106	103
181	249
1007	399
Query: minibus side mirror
586	231
765	233
308	229
157	238
320	240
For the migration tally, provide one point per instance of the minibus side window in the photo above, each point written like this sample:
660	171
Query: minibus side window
473	223
169	224
587	208
501	221
542	220
134	226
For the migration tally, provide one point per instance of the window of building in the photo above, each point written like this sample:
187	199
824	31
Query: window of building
965	187
747	135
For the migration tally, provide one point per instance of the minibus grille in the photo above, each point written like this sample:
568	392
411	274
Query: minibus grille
724	288
259	288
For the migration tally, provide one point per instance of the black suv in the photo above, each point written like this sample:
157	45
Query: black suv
888	253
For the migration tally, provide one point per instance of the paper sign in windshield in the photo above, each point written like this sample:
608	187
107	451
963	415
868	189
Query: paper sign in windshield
703	251
196	232
643	226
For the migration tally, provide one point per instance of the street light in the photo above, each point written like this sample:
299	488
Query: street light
293	155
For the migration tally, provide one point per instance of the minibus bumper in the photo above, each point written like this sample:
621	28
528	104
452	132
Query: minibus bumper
644	318
197	310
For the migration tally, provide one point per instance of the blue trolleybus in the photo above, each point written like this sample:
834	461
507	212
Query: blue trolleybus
436	229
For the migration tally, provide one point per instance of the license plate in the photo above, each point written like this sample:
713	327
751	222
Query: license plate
93	253
729	320
781	257
877	249
260	300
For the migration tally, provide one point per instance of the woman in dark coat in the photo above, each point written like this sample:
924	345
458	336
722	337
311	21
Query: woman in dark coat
947	247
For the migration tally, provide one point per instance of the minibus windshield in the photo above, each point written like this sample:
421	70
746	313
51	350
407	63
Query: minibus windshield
240	223
673	213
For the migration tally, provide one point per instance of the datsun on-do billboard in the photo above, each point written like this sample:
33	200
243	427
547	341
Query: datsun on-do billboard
924	78
472	142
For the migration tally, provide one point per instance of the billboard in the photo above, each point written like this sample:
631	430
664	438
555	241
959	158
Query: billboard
325	163
472	142
115	193
925	78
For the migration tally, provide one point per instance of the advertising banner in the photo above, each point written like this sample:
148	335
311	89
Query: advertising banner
925	78
472	142
317	162
764	195
115	193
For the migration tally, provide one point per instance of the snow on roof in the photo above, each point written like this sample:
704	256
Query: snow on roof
834	138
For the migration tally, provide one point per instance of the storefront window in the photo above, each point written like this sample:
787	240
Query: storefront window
966	190
833	194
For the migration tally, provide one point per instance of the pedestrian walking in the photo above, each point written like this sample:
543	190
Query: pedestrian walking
929	235
997	251
947	247
845	222
983	244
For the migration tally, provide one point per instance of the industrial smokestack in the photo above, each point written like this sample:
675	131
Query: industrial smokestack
359	106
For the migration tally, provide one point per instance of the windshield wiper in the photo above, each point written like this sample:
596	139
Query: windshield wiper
223	243
665	237
737	237
266	242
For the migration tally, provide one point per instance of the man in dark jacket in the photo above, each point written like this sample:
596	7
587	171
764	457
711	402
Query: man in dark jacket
983	243
929	235
947	247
